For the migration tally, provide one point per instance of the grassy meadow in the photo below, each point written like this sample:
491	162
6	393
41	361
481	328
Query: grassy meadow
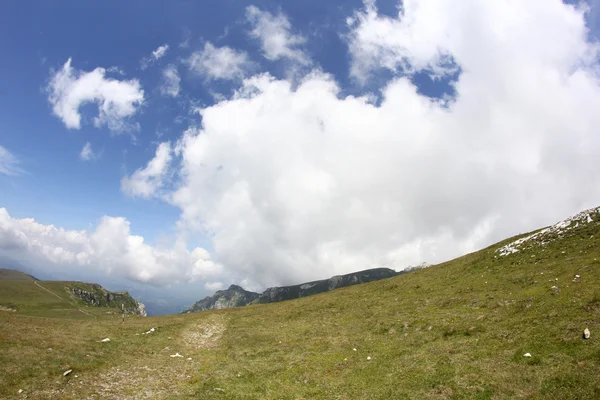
457	330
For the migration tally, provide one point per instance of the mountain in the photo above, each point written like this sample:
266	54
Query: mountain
24	294
235	296
275	294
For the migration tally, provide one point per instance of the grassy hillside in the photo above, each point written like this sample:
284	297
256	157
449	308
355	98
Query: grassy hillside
50	299
452	331
12	274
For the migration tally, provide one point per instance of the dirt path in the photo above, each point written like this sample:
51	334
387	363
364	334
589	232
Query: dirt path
55	295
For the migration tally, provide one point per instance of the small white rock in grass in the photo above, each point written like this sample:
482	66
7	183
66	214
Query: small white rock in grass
67	372
354	349
369	358
105	340
176	355
189	358
219	390
20	391
586	333
527	355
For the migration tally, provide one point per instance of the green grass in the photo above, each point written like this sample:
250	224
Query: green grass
457	330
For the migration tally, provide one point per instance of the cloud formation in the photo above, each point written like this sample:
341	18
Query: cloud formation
156	55
146	182
170	81
304	183
274	33
219	63
110	248
87	153
117	100
9	164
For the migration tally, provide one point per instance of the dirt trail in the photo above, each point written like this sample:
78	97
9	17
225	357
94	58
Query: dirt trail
66	301
205	334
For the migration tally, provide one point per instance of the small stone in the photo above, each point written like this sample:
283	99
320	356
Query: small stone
586	333
189	358
175	355
219	390
67	372
49	348
368	358
429	327
527	355
354	349
20	391
105	340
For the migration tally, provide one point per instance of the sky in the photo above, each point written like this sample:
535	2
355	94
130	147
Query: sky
174	148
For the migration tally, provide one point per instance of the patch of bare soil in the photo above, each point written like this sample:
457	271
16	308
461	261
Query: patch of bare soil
3	308
205	334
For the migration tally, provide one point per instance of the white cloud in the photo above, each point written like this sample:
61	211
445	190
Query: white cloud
9	164
87	153
117	100
156	55
214	286
110	248
171	81
302	183
147	181
219	62
273	31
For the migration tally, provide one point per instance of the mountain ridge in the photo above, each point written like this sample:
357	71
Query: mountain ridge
236	296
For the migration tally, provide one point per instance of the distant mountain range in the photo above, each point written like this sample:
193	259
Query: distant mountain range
236	296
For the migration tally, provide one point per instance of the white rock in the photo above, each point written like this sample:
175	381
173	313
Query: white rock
527	355
67	372
368	358
577	276
219	390
20	391
354	349
586	333
105	340
176	355
152	329
189	358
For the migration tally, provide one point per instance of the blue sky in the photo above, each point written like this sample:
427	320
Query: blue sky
399	138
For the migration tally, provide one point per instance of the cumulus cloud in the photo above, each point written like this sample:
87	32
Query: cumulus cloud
145	182
304	183
117	100
171	81
110	248
87	153
274	33
156	55
219	62
9	164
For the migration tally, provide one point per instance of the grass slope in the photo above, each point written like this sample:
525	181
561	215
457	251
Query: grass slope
452	331
48	299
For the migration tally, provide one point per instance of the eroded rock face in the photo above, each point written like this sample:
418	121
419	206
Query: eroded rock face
235	296
95	295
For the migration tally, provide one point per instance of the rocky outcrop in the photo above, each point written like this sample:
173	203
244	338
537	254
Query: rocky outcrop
95	295
235	296
276	294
